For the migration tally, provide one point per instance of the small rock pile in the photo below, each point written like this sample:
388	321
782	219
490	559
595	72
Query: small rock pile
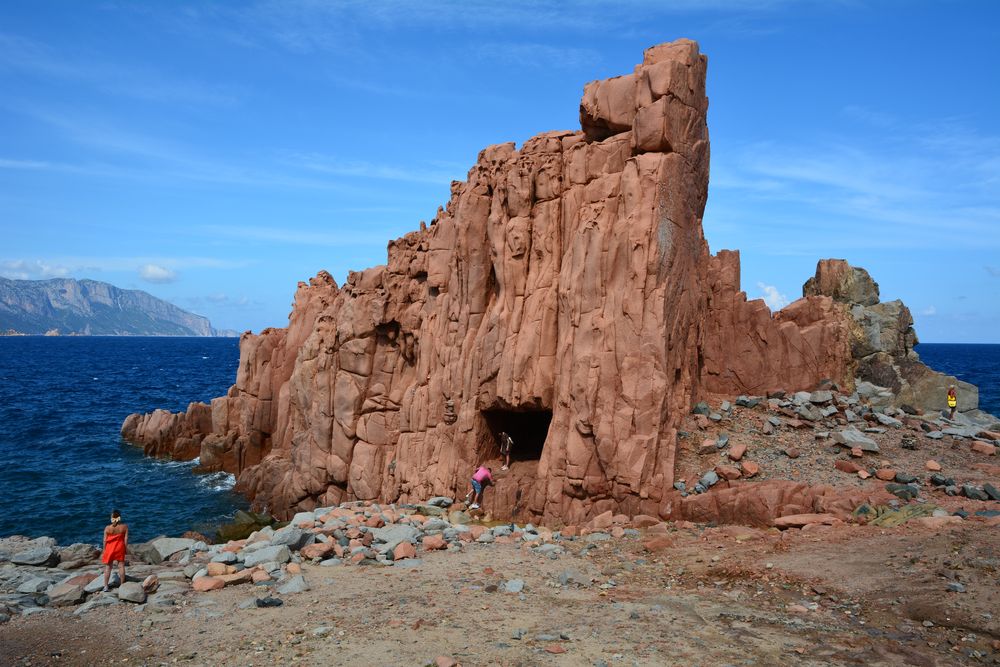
847	427
351	534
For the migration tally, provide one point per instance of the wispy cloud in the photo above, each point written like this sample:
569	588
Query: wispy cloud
919	185
136	155
993	271
374	235
57	267
328	164
929	311
154	273
304	26
537	55
23	269
774	299
38	59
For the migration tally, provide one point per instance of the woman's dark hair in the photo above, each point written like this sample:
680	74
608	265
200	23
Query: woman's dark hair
116	514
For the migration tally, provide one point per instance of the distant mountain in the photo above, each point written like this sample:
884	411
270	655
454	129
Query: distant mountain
90	308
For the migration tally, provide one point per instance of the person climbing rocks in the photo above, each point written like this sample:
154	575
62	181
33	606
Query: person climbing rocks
506	444
115	544
952	401
480	479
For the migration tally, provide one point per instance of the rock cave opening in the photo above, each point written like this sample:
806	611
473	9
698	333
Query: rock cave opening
527	428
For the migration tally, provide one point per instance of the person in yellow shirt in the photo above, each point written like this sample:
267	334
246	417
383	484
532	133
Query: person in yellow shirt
952	401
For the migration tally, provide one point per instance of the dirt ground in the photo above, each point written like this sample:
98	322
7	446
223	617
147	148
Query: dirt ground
844	595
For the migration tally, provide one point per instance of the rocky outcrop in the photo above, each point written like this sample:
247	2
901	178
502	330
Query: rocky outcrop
882	340
91	308
748	350
565	295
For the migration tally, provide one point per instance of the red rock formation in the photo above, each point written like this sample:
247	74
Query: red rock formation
746	350
564	295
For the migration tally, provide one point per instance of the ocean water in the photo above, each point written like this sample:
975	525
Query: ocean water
63	465
978	364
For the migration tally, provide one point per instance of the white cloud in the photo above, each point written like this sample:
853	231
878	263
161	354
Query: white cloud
774	299
154	273
31	269
928	311
898	190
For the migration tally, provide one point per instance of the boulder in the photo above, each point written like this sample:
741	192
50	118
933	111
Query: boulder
851	438
303	519
434	543
404	550
387	538
151	583
277	553
291	536
216	569
34	585
132	591
981	447
77	555
168	546
145	552
296	584
234	578
205	584
43	556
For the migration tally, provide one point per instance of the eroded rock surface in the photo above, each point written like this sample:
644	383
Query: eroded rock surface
565	295
882	339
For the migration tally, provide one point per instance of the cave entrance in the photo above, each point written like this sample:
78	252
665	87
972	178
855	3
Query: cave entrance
527	428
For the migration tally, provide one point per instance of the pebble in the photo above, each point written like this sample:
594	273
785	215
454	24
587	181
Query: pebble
514	586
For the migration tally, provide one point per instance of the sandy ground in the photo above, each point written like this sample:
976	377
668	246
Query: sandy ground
850	595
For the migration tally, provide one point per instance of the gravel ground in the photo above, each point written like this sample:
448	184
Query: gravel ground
730	595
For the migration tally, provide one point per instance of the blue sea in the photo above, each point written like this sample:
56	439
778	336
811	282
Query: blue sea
63	465
977	364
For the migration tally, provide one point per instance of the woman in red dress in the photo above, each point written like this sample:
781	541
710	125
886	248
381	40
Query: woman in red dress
115	542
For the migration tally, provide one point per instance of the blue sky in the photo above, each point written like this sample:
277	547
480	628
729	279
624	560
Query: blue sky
214	154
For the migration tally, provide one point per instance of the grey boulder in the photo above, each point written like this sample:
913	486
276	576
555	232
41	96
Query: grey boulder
851	438
66	594
296	584
38	557
168	546
391	536
277	553
131	591
293	537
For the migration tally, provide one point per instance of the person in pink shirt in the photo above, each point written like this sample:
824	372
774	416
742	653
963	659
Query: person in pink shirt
481	478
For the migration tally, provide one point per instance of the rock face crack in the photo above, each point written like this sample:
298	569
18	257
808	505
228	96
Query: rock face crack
569	278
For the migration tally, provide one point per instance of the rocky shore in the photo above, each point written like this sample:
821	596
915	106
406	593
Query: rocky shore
407	584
